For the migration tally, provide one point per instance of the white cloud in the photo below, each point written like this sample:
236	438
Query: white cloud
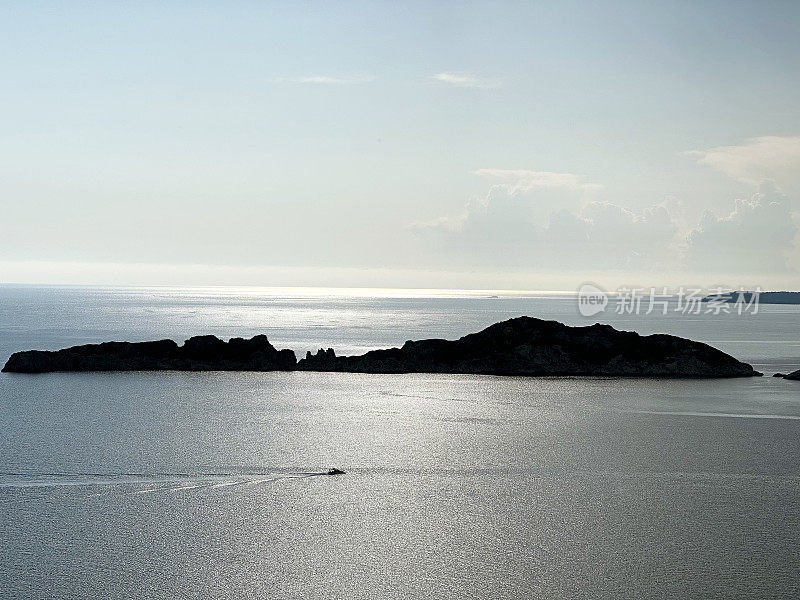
540	219
606	235
526	180
630	238
532	196
465	80
771	158
757	236
761	233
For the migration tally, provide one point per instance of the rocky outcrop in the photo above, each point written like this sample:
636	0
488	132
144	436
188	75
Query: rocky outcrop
527	346
794	375
521	346
201	353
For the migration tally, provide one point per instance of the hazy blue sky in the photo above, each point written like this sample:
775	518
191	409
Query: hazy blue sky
499	144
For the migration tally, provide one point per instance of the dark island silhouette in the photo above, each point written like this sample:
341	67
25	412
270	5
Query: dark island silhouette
200	353
519	346
794	375
763	297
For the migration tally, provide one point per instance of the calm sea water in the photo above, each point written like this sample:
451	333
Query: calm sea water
205	485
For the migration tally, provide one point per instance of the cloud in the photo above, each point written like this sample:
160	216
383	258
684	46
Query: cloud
628	238
322	80
761	233
545	220
466	80
535	195
540	219
521	196
770	158
606	235
757	236
526	180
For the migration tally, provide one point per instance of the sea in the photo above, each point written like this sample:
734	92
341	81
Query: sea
211	485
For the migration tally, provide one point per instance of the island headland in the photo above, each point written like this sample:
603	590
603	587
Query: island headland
793	376
763	297
519	346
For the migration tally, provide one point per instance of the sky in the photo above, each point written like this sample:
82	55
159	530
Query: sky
504	145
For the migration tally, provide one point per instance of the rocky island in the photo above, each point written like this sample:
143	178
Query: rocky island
527	346
793	376
519	346
201	353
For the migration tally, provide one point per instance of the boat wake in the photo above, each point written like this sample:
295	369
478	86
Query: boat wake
135	484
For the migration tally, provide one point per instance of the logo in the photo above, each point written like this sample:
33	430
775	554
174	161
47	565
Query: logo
591	300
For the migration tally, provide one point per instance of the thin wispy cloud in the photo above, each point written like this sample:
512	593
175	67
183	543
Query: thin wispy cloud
322	80
770	157
467	80
525	179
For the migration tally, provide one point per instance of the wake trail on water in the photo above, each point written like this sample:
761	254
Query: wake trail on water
120	483
725	415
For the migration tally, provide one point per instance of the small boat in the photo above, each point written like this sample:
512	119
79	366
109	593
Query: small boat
335	472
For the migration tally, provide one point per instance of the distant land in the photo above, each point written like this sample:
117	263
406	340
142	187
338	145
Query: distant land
794	375
763	297
519	346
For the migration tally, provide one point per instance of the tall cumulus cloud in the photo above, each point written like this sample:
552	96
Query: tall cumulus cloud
545	220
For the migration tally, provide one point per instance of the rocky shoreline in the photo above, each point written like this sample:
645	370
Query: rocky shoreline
793	376
519	346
